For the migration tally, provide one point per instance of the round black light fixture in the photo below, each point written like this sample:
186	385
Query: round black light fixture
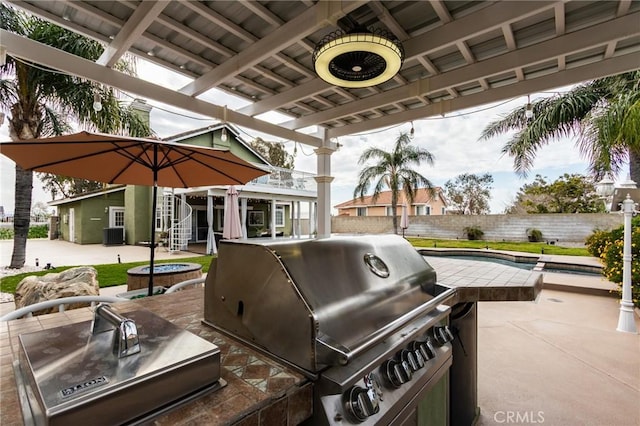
359	58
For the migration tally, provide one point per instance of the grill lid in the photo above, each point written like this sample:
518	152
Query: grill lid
318	302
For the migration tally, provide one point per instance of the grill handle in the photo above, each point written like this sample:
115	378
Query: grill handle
335	353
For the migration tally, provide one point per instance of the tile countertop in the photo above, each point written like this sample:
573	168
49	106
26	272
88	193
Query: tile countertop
259	390
482	281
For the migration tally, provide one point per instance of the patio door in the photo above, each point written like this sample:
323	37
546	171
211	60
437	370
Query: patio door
200	227
116	218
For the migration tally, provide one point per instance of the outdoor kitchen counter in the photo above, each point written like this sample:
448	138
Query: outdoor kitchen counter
259	390
481	281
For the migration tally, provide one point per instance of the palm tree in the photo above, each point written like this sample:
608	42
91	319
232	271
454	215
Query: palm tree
40	102
603	114
393	170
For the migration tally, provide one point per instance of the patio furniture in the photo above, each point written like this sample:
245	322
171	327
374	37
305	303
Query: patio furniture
28	311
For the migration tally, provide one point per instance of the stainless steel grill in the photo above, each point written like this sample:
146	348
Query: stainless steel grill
362	316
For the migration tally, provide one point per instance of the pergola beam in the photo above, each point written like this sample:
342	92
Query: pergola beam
138	22
306	23
57	59
612	66
418	47
601	34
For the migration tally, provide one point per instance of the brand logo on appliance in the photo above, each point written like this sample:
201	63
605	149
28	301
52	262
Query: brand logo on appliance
72	390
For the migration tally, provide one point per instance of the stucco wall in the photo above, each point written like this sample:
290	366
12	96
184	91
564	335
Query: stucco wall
558	227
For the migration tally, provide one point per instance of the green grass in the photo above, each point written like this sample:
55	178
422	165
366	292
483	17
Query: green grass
524	247
108	275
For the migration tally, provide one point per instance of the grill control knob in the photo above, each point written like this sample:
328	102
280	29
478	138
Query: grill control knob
360	403
412	357
396	372
426	349
442	334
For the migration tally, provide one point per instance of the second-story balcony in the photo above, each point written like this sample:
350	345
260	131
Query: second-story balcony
287	179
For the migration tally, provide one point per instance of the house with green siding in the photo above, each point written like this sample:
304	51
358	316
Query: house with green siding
270	206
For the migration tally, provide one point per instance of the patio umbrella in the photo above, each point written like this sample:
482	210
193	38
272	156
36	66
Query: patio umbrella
232	228
404	219
132	161
211	237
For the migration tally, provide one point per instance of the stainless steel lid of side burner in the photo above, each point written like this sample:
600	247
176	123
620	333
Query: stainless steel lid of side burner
319	303
117	369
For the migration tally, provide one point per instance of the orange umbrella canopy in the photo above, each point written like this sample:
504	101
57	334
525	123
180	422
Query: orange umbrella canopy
133	161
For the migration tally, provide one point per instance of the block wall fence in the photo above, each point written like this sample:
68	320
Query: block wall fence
572	228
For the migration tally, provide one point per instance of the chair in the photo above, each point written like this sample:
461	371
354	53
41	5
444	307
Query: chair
28	311
182	284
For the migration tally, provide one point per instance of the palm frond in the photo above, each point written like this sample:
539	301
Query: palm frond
556	117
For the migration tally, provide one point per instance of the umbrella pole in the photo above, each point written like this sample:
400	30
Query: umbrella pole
154	203
153	235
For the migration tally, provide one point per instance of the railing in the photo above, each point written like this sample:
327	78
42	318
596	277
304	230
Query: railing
178	216
287	178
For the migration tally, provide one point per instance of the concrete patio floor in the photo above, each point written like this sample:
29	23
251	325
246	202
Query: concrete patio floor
556	361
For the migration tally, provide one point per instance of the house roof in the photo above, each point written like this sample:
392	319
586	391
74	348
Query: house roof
384	199
458	54
88	195
212	128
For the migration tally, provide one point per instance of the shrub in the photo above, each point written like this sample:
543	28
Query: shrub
6	233
609	247
39	231
534	235
36	231
473	233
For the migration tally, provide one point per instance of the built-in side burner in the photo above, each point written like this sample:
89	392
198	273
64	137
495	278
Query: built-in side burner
88	373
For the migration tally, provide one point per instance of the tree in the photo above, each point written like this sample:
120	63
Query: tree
469	193
40	101
603	114
274	153
40	211
568	194
67	186
393	171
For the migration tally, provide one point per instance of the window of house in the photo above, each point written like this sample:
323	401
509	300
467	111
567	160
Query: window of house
279	216
361	211
423	210
389	211
442	210
159	218
116	217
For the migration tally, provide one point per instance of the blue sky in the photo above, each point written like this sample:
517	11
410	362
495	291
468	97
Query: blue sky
452	139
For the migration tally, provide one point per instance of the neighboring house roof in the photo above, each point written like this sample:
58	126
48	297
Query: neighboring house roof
384	199
87	195
214	127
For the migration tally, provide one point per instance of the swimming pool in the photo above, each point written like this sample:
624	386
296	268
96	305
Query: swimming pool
526	262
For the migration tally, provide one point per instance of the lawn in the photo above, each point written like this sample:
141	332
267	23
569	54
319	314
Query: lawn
108	275
525	247
116	273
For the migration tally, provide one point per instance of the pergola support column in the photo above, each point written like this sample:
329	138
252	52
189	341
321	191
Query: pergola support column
324	180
